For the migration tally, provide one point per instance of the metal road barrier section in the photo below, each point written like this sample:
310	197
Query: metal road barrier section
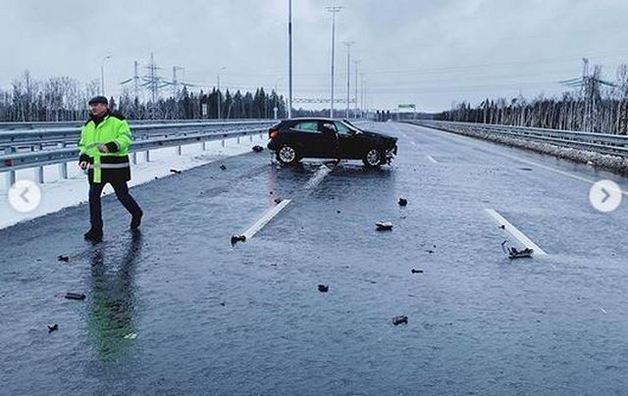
597	142
37	148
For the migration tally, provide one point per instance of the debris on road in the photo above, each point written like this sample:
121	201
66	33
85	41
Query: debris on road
75	296
384	226
176	171
53	327
323	288
237	238
513	253
397	320
403	202
338	212
63	258
278	200
416	271
503	227
429	251
130	336
223	167
258	149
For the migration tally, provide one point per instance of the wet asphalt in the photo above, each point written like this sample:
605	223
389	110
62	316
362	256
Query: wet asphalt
176	309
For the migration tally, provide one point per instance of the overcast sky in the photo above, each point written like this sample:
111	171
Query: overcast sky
430	53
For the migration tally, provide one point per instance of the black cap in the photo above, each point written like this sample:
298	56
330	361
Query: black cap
98	99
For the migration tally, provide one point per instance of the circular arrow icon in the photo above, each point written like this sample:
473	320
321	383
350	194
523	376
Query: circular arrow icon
24	196
605	196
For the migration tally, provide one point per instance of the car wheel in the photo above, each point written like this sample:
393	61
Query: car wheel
372	158
287	155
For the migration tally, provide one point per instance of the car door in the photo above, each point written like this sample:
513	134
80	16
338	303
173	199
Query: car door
328	143
349	146
306	137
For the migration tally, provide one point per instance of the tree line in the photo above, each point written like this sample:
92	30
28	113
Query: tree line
65	99
594	106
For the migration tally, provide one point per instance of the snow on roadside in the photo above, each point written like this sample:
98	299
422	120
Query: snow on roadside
60	193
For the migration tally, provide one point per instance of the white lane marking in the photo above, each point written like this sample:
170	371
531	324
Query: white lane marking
265	219
525	161
318	177
429	157
315	180
512	230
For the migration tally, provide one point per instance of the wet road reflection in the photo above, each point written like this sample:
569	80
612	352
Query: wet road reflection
111	316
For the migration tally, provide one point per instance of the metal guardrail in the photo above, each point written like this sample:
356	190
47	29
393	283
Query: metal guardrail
597	142
26	125
70	135
11	162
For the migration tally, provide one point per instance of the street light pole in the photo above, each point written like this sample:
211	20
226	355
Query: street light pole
348	44
355	105
218	91
102	74
289	59
333	11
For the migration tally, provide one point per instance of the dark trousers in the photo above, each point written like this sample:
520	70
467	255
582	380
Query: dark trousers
122	192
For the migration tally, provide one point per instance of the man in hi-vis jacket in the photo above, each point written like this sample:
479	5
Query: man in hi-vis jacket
104	147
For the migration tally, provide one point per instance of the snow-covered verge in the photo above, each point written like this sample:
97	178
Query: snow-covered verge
612	163
58	193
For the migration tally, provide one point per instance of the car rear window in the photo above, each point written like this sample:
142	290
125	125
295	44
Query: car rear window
307	126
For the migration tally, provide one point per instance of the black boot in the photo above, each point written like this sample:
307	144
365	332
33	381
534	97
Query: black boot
94	235
136	221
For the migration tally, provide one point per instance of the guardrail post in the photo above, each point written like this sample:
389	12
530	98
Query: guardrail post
134	158
147	156
63	167
179	150
238	140
39	175
222	142
204	146
10	174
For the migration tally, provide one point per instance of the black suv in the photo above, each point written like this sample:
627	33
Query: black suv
297	138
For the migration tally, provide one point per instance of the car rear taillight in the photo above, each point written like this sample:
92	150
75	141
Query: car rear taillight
272	133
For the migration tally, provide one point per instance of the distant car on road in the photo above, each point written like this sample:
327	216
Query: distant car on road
298	138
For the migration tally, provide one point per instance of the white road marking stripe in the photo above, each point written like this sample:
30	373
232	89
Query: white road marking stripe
274	211
265	219
318	177
512	230
429	157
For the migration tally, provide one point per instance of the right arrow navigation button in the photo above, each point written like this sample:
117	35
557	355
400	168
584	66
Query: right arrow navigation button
605	196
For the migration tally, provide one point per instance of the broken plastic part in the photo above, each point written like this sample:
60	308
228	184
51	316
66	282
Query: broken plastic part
384	226
75	296
513	253
175	171
63	258
237	238
53	327
416	271
223	167
403	202
397	320
258	149
323	288
278	200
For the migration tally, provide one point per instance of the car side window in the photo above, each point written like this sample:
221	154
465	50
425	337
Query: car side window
342	129
329	126
307	126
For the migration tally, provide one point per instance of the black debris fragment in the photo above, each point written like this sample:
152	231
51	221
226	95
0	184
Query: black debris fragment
323	288
403	202
63	258
222	304
237	238
278	200
416	271
176	171
258	149
430	251
75	296
384	226
397	320
271	193
503	227
223	167
53	327
514	253
338	211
